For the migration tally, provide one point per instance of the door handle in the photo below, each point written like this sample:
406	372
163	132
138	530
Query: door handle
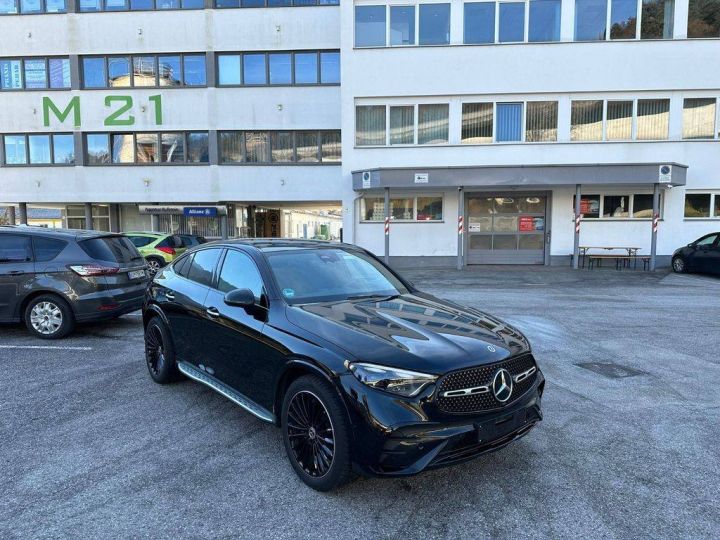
14	273
213	312
169	296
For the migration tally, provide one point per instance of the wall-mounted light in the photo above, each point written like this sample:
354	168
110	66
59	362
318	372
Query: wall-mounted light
282	181
29	35
146	181
278	28
279	106
37	183
139	31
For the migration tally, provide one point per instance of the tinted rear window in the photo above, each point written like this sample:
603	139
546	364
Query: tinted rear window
46	249
171	242
182	266
111	249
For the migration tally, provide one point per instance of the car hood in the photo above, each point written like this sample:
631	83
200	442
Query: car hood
413	331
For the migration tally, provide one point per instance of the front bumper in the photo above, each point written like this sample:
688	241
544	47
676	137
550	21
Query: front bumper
406	447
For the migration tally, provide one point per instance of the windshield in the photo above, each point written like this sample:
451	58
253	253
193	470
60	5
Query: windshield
330	274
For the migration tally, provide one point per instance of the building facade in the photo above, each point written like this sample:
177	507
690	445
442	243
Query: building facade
443	132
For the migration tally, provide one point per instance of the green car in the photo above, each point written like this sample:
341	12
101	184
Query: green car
158	249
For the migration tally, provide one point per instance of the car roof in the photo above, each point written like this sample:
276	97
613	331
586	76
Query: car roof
78	234
280	244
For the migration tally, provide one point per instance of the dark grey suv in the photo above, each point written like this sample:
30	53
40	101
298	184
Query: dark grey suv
52	278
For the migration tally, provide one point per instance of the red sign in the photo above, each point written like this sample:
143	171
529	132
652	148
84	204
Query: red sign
527	223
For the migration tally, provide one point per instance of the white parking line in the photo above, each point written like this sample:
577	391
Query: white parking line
46	347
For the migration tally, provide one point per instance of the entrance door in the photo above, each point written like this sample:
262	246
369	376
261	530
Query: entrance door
506	228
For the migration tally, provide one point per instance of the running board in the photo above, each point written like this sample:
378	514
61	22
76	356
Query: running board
236	397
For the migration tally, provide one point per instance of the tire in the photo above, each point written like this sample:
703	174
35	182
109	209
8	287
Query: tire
160	353
155	264
321	464
679	266
49	316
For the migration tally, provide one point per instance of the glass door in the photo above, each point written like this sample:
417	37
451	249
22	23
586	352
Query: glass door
506	228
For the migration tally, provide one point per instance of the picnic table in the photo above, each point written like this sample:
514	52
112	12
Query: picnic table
631	255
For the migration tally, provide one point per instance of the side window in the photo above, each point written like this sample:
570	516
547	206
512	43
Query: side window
182	266
14	248
203	265
140	241
46	249
239	272
708	240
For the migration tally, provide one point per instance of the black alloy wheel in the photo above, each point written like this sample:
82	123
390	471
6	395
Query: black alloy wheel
311	434
316	433
159	353
678	265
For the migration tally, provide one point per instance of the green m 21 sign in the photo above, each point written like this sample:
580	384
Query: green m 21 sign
119	114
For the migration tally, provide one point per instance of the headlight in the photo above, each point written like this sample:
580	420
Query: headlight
393	380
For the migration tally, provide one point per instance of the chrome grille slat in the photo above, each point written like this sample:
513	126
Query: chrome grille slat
450	399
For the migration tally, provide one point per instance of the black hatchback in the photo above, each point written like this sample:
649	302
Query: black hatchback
52	278
361	370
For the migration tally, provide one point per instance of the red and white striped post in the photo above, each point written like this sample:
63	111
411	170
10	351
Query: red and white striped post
578	215
460	225
387	226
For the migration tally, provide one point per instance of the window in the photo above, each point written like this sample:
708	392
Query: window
479	22
14	7
39	149
329	68
147	71
623	19
279	147
429	208
239	272
590	20
699	118
174	148
370	26
203	266
139	5
369	125
511	22
15	248
619	120
433	124
653	119
477	123
657	19
616	206
586	120
34	73
612	206
541	121
434	24
46	249
703	19
281	68
509	122
402	124
402	25
697	205
544	20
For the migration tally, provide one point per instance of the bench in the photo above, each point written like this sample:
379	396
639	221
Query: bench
621	261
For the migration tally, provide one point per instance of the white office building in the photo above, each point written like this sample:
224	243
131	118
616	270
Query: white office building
443	132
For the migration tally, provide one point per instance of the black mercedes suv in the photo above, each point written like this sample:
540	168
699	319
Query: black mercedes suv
52	278
362	372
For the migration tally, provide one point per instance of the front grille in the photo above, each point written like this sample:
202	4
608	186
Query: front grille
483	376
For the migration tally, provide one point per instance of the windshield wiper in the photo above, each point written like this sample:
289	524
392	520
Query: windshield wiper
378	297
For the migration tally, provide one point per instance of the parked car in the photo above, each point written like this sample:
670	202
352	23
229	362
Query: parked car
191	240
52	278
360	370
702	255
158	249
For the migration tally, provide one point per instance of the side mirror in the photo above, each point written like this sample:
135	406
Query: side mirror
243	298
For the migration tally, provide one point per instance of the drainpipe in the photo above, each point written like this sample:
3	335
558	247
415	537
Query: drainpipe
10	215
88	216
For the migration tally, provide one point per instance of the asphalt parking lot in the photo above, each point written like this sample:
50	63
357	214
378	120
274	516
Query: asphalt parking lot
90	447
